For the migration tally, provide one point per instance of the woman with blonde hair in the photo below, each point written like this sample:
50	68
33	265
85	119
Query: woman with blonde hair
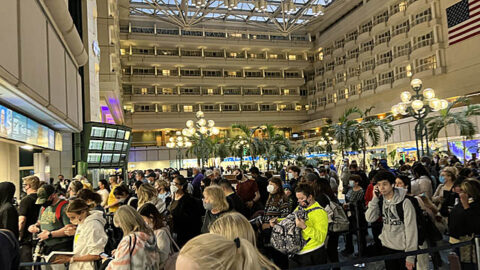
215	204
213	251
148	194
90	237
232	225
138	247
163	189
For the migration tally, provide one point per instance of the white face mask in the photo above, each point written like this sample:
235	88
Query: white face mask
270	188
290	175
351	183
173	188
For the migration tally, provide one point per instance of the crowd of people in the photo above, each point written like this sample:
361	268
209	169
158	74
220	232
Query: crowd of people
237	219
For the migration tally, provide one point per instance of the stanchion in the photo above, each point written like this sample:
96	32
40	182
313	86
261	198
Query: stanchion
477	248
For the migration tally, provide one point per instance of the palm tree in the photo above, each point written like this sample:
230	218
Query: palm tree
345	130
254	144
368	132
219	148
237	147
273	144
447	117
200	149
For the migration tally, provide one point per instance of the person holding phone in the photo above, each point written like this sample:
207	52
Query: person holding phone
398	235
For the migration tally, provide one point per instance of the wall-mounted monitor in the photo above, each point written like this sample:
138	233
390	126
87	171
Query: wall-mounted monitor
110	133
98	132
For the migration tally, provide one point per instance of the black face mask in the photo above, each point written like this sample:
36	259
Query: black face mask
47	203
304	203
239	177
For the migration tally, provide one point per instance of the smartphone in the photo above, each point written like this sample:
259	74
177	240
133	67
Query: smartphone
104	255
377	192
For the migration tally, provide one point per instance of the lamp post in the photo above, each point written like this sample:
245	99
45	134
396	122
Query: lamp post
202	129
419	106
178	142
327	142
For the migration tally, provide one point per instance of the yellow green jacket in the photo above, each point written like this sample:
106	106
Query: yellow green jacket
317	228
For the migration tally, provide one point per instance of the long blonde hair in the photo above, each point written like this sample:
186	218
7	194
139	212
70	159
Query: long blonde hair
129	220
213	251
146	193
232	225
217	197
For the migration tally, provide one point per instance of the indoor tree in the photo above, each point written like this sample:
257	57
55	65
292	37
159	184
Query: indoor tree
274	144
345	129
459	119
368	132
254	143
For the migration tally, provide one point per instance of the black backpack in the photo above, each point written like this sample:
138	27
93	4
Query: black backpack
426	229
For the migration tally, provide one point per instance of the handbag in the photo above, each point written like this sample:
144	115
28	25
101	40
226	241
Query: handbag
172	257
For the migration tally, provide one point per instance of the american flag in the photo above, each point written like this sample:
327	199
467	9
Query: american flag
463	20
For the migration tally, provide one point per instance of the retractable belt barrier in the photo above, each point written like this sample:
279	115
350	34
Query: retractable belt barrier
387	257
351	262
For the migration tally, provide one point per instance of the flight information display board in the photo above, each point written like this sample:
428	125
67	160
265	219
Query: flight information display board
105	145
18	127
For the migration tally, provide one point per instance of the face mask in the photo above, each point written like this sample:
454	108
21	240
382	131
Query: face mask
239	177
290	175
326	166
207	206
441	179
351	183
173	188
47	203
304	203
122	200
270	188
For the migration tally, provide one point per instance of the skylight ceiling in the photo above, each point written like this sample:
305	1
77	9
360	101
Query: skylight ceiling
284	16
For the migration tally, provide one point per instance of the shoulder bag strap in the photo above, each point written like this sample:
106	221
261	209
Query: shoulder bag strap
174	244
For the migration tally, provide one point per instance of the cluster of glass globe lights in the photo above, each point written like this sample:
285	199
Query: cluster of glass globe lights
329	140
418	103
289	6
199	127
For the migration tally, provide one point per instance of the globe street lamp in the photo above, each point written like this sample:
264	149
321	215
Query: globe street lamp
178	142
200	128
327	142
419	106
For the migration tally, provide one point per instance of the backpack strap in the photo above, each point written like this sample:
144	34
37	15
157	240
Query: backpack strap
315	208
58	210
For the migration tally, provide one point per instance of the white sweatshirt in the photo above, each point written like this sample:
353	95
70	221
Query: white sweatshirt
90	239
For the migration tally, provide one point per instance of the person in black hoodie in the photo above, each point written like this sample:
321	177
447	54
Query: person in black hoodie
262	183
8	213
233	199
464	220
186	212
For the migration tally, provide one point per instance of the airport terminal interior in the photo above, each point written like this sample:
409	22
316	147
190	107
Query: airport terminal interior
240	134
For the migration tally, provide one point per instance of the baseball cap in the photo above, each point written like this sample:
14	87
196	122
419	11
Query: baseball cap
43	193
208	172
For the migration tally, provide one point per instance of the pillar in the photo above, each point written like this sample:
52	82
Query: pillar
61	162
9	165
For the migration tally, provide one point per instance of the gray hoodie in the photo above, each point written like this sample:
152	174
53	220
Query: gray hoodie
396	234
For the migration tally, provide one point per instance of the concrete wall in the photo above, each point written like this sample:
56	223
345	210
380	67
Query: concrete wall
38	74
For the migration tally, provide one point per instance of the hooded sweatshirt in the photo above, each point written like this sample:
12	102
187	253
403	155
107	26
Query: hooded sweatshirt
396	234
8	213
90	239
